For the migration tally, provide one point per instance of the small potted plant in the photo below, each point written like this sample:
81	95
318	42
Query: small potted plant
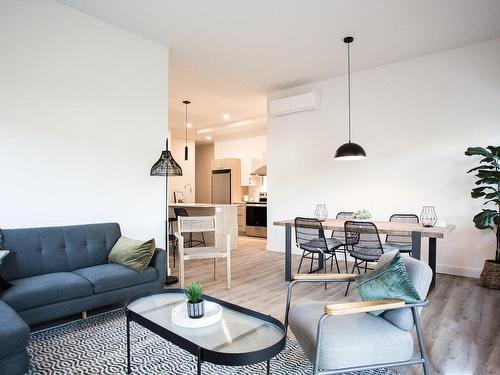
488	188
362	215
195	304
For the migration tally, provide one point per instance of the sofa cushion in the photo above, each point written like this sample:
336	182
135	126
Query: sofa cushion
106	277
14	332
46	289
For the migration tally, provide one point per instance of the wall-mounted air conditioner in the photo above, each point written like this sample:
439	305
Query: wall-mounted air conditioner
294	104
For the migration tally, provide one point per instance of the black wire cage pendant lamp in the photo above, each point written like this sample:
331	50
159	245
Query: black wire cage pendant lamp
349	150
186	151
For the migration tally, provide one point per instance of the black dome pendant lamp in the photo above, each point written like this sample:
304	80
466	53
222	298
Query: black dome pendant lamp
186	151
349	150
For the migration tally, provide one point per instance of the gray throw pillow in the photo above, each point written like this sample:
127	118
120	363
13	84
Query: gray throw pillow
133	254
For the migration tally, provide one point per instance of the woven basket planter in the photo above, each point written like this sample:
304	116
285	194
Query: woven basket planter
490	276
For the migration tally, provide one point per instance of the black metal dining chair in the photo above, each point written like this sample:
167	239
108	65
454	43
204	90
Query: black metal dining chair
310	237
340	236
189	242
364	245
402	242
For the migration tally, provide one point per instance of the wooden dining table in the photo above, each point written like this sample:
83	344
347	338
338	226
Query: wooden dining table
415	230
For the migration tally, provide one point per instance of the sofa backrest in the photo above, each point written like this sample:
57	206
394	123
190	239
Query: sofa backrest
37	251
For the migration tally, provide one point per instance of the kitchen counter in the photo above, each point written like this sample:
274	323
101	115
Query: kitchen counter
208	205
226	216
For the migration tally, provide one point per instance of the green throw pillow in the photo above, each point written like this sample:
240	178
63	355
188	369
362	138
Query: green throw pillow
388	281
133	254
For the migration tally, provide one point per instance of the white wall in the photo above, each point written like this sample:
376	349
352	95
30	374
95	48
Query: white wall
415	119
243	148
83	116
177	183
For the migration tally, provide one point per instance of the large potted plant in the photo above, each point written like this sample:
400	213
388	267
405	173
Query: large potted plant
488	181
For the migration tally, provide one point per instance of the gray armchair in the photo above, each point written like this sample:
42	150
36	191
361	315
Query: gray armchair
342	337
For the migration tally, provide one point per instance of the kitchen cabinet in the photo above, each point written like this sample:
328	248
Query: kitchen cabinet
242	217
248	165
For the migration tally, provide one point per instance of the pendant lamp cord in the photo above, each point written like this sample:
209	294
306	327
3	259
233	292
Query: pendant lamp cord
186	124
349	87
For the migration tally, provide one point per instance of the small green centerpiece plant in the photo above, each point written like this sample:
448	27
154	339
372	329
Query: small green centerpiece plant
362	215
195	304
488	188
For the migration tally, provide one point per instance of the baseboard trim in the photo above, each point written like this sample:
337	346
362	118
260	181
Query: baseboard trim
458	271
440	268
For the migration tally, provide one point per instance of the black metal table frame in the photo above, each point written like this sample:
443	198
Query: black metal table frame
416	239
202	354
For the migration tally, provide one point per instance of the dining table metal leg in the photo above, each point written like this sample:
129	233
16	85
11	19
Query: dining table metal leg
288	252
416	244
432	260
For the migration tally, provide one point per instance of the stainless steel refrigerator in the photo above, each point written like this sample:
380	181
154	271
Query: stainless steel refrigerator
221	186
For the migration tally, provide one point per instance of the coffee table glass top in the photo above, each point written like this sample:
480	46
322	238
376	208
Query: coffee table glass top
237	332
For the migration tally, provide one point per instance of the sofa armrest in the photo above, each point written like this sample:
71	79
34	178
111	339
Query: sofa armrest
159	261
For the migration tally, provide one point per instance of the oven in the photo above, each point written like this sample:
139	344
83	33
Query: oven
256	219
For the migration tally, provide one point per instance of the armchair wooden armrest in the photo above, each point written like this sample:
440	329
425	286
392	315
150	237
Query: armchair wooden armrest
363	306
322	277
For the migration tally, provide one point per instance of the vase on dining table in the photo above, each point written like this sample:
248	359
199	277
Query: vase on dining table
321	213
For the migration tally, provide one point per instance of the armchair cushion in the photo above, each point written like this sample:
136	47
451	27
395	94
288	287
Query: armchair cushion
349	340
390	280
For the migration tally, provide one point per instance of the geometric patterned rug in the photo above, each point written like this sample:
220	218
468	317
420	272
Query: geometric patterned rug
97	345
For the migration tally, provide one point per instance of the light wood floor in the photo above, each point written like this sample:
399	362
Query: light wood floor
461	324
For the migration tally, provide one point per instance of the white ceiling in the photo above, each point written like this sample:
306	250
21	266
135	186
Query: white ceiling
226	55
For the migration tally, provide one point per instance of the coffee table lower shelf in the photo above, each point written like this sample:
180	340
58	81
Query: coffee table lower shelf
177	335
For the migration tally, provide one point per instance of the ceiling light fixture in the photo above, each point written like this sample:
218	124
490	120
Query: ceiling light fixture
189	125
350	150
226	116
186	151
208	138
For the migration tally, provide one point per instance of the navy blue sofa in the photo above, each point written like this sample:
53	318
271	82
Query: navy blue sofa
61	271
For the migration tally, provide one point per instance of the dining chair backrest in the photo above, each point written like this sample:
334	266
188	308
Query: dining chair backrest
339	234
363	238
197	224
309	234
401	218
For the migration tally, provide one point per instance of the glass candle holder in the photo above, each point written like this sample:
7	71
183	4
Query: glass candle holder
428	217
321	212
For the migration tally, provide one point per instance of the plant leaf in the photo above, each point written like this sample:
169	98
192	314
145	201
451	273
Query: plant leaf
495	150
497	201
486	219
481	167
478	151
488	174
